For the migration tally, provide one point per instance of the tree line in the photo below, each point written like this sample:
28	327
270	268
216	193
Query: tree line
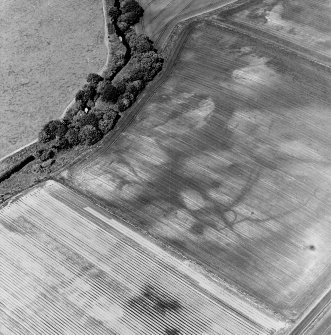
102	100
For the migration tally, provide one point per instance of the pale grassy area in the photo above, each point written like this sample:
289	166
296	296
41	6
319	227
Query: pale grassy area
47	49
67	266
229	163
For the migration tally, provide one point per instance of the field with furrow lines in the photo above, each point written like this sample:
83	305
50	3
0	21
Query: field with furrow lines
161	16
67	268
228	163
306	23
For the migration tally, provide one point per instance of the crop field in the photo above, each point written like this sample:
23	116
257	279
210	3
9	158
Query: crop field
47	49
68	267
161	16
228	162
305	22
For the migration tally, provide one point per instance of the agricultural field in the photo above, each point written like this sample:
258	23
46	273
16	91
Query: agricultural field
228	163
47	49
68	267
305	22
161	16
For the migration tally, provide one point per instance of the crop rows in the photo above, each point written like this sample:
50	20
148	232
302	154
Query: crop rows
61	272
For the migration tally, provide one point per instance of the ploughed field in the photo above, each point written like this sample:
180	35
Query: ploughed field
47	49
229	164
305	22
161	16
68	267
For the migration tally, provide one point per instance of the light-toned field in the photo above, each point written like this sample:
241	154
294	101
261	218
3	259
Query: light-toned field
229	163
305	22
161	16
68	267
46	49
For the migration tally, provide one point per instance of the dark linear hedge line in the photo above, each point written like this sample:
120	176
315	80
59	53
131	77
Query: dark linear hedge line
101	101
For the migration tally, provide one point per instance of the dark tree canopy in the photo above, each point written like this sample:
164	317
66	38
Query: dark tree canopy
123	26
84	119
61	143
130	18
51	130
86	93
94	79
143	66
139	43
107	122
72	137
89	135
121	87
108	91
135	87
114	12
129	6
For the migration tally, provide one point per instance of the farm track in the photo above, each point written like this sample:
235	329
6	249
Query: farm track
77	251
306	324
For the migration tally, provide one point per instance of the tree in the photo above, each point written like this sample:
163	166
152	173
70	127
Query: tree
108	91
72	137
89	135
121	105
72	111
114	13
61	143
121	87
93	79
130	18
51	130
130	6
107	122
143	67
84	119
85	94
123	26
135	87
139	43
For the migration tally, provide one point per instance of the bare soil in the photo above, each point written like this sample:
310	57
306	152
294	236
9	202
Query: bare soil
47	49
